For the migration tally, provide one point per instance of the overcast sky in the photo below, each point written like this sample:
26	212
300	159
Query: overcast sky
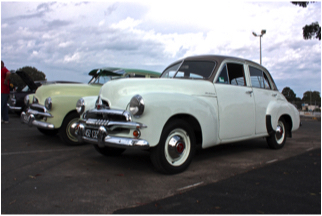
66	40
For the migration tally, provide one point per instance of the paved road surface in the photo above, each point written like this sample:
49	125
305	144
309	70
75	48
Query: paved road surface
41	175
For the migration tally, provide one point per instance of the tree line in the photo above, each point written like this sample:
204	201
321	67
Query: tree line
309	97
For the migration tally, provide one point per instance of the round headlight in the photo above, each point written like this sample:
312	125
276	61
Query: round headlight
80	106
48	103
137	106
26	100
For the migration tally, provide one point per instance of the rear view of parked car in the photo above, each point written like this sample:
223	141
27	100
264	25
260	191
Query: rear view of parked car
199	102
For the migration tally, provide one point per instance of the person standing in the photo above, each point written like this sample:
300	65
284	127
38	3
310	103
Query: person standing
5	91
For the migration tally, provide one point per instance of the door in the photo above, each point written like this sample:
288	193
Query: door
235	103
263	96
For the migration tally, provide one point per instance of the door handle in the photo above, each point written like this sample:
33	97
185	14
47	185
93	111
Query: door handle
274	95
249	92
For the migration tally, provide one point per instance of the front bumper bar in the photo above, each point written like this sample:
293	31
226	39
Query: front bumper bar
29	118
104	139
14	108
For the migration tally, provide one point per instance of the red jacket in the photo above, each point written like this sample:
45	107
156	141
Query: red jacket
4	88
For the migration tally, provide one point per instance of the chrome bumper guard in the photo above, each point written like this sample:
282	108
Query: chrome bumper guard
104	139
13	108
29	118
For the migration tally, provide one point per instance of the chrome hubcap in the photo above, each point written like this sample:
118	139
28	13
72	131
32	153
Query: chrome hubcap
280	133
69	132
177	147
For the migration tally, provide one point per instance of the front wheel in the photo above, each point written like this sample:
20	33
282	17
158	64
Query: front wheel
65	133
278	139
176	148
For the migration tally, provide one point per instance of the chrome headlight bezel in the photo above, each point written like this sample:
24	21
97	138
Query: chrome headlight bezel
80	106
137	106
26	100
48	103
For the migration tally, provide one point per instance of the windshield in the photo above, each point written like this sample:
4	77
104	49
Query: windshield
190	70
100	80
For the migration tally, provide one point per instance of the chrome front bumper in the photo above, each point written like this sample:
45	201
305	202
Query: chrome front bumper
104	139
14	108
29	118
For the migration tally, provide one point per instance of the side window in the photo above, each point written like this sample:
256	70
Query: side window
233	74
223	77
258	78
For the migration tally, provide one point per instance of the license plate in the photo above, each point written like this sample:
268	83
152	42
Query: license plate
91	133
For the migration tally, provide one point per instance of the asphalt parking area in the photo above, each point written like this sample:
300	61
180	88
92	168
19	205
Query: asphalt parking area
292	186
41	175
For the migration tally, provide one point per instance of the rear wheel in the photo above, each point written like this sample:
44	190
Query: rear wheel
176	148
109	151
65	133
278	139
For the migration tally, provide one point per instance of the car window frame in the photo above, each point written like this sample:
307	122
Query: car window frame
224	64
194	76
272	85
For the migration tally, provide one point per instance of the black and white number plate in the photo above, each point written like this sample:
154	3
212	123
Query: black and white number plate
91	133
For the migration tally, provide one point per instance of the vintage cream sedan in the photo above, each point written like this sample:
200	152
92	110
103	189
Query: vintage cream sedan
198	101
52	108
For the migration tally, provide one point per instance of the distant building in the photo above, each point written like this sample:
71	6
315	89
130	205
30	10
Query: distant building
307	107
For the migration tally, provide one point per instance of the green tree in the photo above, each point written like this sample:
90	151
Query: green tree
32	72
313	30
312	98
289	94
291	97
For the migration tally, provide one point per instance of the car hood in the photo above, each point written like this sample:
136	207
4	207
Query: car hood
27	79
60	89
119	92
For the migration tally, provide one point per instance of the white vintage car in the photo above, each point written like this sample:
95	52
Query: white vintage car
199	101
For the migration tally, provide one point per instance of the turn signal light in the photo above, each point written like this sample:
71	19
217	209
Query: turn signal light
137	133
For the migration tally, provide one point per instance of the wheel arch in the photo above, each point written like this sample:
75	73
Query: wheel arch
289	124
287	119
193	122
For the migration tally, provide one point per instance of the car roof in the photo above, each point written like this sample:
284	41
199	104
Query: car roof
216	58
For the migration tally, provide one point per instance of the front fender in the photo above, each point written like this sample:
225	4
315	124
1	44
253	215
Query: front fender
160	107
61	106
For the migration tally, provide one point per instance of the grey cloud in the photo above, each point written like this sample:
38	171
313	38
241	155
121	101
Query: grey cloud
110	9
56	24
45	6
40	12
